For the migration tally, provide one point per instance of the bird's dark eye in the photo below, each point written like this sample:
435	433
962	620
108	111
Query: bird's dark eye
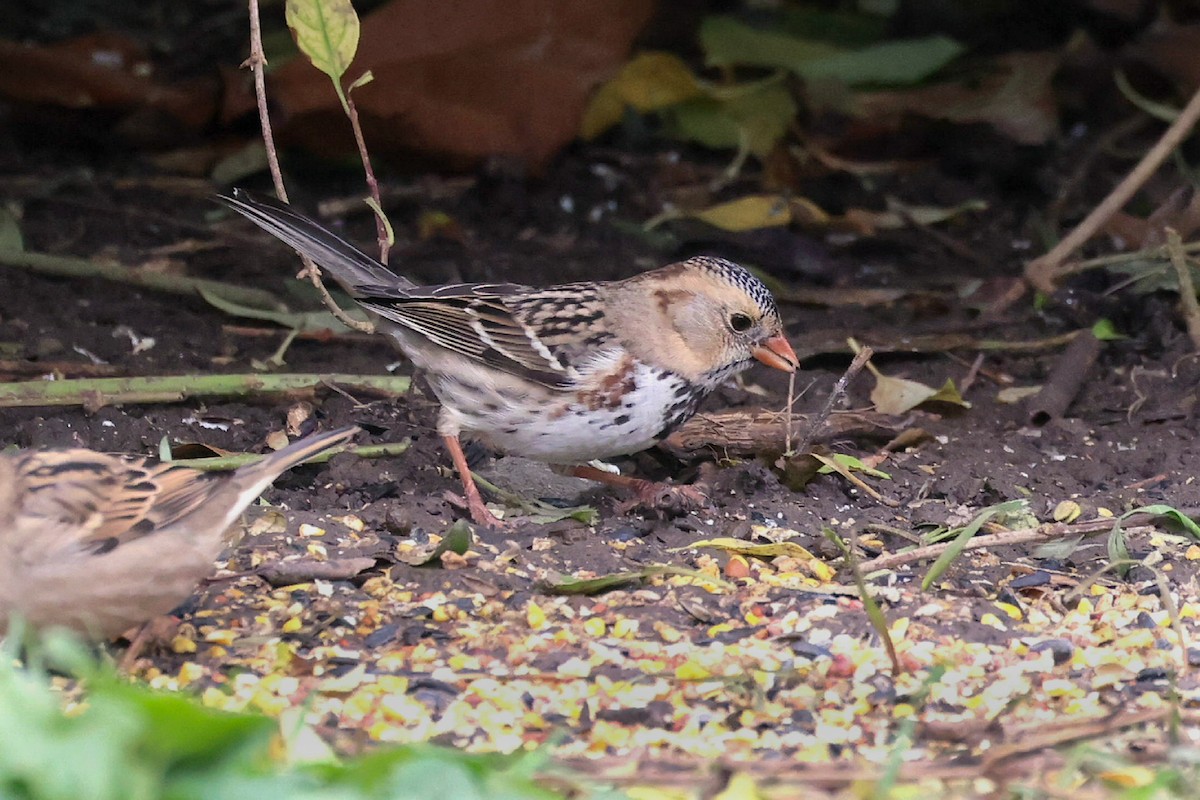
740	323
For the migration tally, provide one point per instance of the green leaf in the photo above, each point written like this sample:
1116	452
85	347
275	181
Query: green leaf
326	31
852	464
1106	331
362	80
1162	510
11	240
729	42
178	731
296	320
896	63
754	116
604	583
1118	550
965	535
847	29
457	539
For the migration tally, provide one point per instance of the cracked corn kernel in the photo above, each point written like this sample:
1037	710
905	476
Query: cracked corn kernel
183	645
1010	610
352	522
691	671
535	617
310	530
595	627
190	672
221	636
625	628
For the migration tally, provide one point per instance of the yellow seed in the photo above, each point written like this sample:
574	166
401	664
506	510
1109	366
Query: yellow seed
1011	610
625	628
691	671
595	627
220	636
991	619
352	522
190	672
182	645
1067	511
535	616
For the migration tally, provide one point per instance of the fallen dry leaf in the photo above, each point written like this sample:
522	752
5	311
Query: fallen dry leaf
1017	99
468	80
99	71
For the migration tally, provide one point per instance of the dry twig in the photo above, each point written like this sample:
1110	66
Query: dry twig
1043	272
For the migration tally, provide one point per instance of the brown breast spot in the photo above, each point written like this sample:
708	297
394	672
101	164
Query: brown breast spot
612	388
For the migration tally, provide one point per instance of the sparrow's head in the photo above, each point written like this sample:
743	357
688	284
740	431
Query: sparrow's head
704	318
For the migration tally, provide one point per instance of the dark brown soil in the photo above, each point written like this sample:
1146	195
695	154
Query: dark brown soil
1131	438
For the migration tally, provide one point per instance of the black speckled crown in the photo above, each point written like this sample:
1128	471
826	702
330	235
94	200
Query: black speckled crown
740	277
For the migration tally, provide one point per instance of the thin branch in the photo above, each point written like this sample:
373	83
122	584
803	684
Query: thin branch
1187	289
1042	533
257	61
381	226
839	389
1044	272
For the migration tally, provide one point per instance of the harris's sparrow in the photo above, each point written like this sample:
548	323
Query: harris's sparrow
566	375
101	543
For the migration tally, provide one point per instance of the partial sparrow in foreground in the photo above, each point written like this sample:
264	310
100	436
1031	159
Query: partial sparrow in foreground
565	375
101	543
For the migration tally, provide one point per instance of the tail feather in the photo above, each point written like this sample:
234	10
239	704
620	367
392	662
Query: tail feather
348	265
264	472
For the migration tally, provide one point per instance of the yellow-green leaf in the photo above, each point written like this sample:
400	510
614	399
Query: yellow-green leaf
650	82
326	32
898	395
853	464
11	240
748	213
766	550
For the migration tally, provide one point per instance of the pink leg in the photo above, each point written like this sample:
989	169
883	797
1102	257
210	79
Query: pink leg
479	512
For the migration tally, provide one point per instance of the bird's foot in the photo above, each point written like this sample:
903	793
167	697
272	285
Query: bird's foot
650	494
669	497
160	630
480	513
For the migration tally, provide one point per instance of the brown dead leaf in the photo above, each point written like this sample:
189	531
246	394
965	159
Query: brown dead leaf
1171	51
468	80
1180	212
99	71
1016	99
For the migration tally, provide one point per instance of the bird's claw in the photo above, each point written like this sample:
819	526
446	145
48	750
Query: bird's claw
667	497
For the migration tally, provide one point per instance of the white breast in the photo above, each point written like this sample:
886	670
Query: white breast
619	406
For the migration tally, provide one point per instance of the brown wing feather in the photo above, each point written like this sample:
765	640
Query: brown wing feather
534	335
108	500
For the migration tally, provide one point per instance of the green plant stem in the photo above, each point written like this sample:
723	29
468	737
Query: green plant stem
70	267
224	463
94	393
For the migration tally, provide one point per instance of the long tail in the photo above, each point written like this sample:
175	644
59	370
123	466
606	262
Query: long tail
348	265
262	473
